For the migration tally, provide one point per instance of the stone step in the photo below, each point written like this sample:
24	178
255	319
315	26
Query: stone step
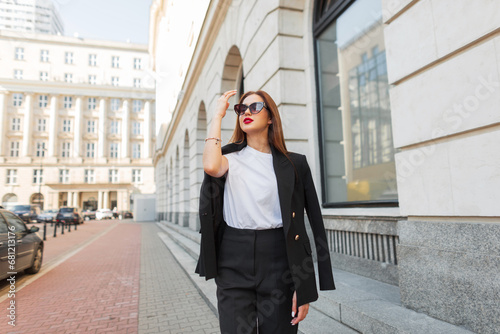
359	305
183	237
185	231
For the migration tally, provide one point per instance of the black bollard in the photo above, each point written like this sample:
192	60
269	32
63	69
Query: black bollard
69	227
44	230
55	229
62	228
76	225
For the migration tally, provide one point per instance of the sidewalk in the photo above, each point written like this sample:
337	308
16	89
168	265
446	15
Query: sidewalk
123	281
169	302
358	305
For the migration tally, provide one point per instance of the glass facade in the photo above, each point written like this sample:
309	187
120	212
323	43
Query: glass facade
357	151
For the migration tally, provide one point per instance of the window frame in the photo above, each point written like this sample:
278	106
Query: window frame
64	176
37	176
321	22
91	126
68	58
115	105
92	103
115	61
43	101
68	102
136	150
137	106
90	150
137	175
44	56
66	125
44	76
92	59
14	149
42	124
114	149
18	74
113	176
11	177
15	124
89	176
66	149
17	99
19	53
137	63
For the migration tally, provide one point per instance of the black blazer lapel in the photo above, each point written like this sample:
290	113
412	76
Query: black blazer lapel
285	176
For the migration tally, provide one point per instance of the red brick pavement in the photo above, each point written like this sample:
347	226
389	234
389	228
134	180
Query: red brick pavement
61	244
94	291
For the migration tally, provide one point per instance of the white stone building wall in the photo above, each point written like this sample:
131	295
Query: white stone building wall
443	62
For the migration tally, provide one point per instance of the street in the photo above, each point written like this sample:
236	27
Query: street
106	277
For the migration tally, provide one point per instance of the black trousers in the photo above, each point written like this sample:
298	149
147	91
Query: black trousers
253	293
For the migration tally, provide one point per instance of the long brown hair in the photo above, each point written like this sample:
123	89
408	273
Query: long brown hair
275	131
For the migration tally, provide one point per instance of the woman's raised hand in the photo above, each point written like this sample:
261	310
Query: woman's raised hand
223	103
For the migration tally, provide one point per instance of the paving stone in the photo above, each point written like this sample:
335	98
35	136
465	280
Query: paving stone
174	305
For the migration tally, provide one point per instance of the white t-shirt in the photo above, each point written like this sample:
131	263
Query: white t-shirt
251	199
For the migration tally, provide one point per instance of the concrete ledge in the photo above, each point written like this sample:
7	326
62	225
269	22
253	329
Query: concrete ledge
359	305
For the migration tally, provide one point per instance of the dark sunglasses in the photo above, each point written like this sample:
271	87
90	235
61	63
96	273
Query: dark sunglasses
255	108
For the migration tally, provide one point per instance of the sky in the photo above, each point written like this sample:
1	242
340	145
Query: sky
114	20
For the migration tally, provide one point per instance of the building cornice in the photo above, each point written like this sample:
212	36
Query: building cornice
71	41
64	88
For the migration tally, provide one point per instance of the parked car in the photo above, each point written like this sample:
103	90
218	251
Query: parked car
125	215
88	215
69	216
27	212
104	214
29	245
48	216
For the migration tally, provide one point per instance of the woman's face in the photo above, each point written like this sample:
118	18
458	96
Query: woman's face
254	123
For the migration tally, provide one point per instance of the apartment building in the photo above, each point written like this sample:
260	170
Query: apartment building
77	121
32	16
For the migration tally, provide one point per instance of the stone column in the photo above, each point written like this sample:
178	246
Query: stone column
69	201
78	127
125	129
27	125
99	200
3	120
147	130
106	200
52	150
102	128
75	199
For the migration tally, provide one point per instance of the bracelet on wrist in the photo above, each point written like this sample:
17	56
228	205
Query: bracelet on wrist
213	138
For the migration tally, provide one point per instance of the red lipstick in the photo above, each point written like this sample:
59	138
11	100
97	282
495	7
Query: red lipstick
247	120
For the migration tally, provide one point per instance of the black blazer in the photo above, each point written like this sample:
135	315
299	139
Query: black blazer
296	193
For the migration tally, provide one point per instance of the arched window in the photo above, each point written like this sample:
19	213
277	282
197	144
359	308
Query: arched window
37	199
9	199
354	115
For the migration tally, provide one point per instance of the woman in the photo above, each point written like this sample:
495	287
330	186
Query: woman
254	240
